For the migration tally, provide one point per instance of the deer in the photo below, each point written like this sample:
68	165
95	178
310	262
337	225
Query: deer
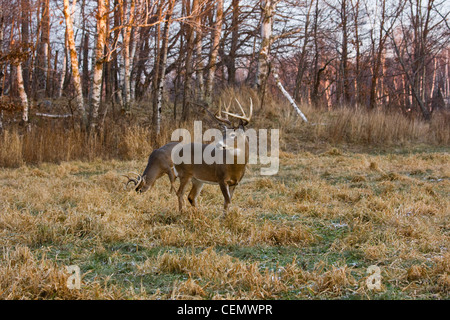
159	163
226	174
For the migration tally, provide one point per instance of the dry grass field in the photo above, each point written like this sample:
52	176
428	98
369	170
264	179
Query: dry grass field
360	190
310	232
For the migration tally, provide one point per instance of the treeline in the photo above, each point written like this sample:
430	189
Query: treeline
362	54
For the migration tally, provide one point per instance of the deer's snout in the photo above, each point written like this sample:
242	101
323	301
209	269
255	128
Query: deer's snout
221	146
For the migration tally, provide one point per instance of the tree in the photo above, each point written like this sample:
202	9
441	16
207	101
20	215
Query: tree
128	17
216	34
189	48
161	72
42	57
304	51
74	63
99	61
267	12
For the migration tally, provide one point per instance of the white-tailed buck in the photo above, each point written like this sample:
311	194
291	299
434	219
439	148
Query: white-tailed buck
232	154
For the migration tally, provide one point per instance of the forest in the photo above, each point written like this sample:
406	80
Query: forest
92	58
359	91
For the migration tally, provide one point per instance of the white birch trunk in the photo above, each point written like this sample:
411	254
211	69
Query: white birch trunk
198	54
163	65
63	74
288	96
446	78
22	93
126	55
133	59
98	66
74	62
53	116
214	50
433	80
268	8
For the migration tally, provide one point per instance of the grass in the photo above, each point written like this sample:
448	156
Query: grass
354	189
309	232
130	138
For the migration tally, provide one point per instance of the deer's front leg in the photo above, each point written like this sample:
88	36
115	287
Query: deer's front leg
172	176
227	197
231	188
180	193
196	188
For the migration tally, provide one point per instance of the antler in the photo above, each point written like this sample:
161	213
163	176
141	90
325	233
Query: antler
135	181
244	116
219	117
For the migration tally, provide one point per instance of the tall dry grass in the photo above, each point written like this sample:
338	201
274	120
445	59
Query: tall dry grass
358	127
133	138
56	144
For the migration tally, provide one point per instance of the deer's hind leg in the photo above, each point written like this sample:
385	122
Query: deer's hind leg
195	191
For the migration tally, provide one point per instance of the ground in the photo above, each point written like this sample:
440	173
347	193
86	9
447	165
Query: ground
310	232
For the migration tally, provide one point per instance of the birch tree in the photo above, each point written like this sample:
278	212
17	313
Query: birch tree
384	20
304	51
74	63
64	67
189	55
217	31
128	17
1	66
99	61
267	11
162	70
25	30
42	66
22	93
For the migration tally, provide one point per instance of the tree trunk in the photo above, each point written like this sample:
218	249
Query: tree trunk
231	65
162	70
22	93
268	8
425	112
25	11
377	50
126	53
315	70
64	68
84	52
198	53
344	93
40	78
302	62
99	59
74	62
447	79
357	78
188	63
2	82
214	50
289	98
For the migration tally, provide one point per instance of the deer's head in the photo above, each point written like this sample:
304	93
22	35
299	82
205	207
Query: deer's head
233	133
139	182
